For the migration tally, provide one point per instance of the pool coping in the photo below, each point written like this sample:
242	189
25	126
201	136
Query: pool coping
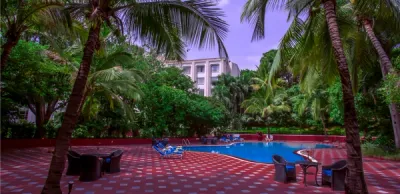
297	152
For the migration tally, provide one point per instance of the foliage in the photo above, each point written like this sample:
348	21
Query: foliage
290	130
373	149
168	111
391	88
172	77
232	91
33	79
32	73
17	130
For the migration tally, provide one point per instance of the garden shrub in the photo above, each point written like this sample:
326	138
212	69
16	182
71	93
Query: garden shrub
20	130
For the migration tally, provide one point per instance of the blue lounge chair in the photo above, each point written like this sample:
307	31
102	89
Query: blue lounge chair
169	152
224	139
172	148
236	137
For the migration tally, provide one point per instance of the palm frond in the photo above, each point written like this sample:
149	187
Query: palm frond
254	13
198	22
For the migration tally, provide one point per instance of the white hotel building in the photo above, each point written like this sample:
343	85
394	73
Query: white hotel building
205	71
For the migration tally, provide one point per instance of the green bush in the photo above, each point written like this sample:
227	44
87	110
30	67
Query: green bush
292	130
20	130
81	132
373	149
385	142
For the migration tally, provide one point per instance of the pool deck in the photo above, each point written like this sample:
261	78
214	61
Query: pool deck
142	171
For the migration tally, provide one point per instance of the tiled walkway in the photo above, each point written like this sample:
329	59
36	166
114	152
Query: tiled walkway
25	171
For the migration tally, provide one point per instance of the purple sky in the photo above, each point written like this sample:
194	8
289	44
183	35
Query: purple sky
241	50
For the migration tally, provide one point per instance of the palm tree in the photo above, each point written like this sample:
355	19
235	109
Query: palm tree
316	102
161	24
231	91
254	12
112	79
264	103
19	16
385	13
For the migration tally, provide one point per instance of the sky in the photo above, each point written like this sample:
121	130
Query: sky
241	50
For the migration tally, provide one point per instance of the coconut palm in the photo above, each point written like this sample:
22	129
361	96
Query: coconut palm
386	15
163	24
316	102
263	103
111	79
254	12
265	99
18	17
231	91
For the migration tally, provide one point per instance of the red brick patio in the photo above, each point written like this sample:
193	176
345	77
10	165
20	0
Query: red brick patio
25	171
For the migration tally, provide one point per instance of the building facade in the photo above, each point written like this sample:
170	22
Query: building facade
206	71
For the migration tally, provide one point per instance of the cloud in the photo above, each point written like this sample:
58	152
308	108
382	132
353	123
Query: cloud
222	3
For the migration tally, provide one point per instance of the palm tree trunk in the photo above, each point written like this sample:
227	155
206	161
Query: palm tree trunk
355	182
57	164
386	67
7	48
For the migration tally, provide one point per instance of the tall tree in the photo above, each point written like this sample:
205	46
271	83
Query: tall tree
254	12
41	83
384	13
158	23
19	16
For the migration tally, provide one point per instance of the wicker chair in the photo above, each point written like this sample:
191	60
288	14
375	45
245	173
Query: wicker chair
91	167
334	175
111	164
74	165
284	171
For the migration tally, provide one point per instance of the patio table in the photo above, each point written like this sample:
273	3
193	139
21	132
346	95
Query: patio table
304	166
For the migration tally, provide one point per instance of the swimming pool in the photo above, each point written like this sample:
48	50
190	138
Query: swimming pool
259	151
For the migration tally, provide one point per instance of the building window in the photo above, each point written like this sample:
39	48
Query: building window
186	70
201	92
214	79
200	69
200	81
215	68
23	113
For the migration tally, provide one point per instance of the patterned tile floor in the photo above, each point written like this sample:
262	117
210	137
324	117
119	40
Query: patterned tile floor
25	171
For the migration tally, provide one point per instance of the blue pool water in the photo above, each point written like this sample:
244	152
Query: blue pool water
259	151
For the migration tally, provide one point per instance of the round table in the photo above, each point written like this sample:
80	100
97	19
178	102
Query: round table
305	165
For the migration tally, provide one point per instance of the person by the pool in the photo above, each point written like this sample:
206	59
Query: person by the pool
268	137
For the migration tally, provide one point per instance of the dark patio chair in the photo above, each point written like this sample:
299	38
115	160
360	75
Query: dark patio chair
91	168
284	171
111	164
74	165
214	140
203	140
334	175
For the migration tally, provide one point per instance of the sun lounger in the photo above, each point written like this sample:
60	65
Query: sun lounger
224	139
167	153
236	137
